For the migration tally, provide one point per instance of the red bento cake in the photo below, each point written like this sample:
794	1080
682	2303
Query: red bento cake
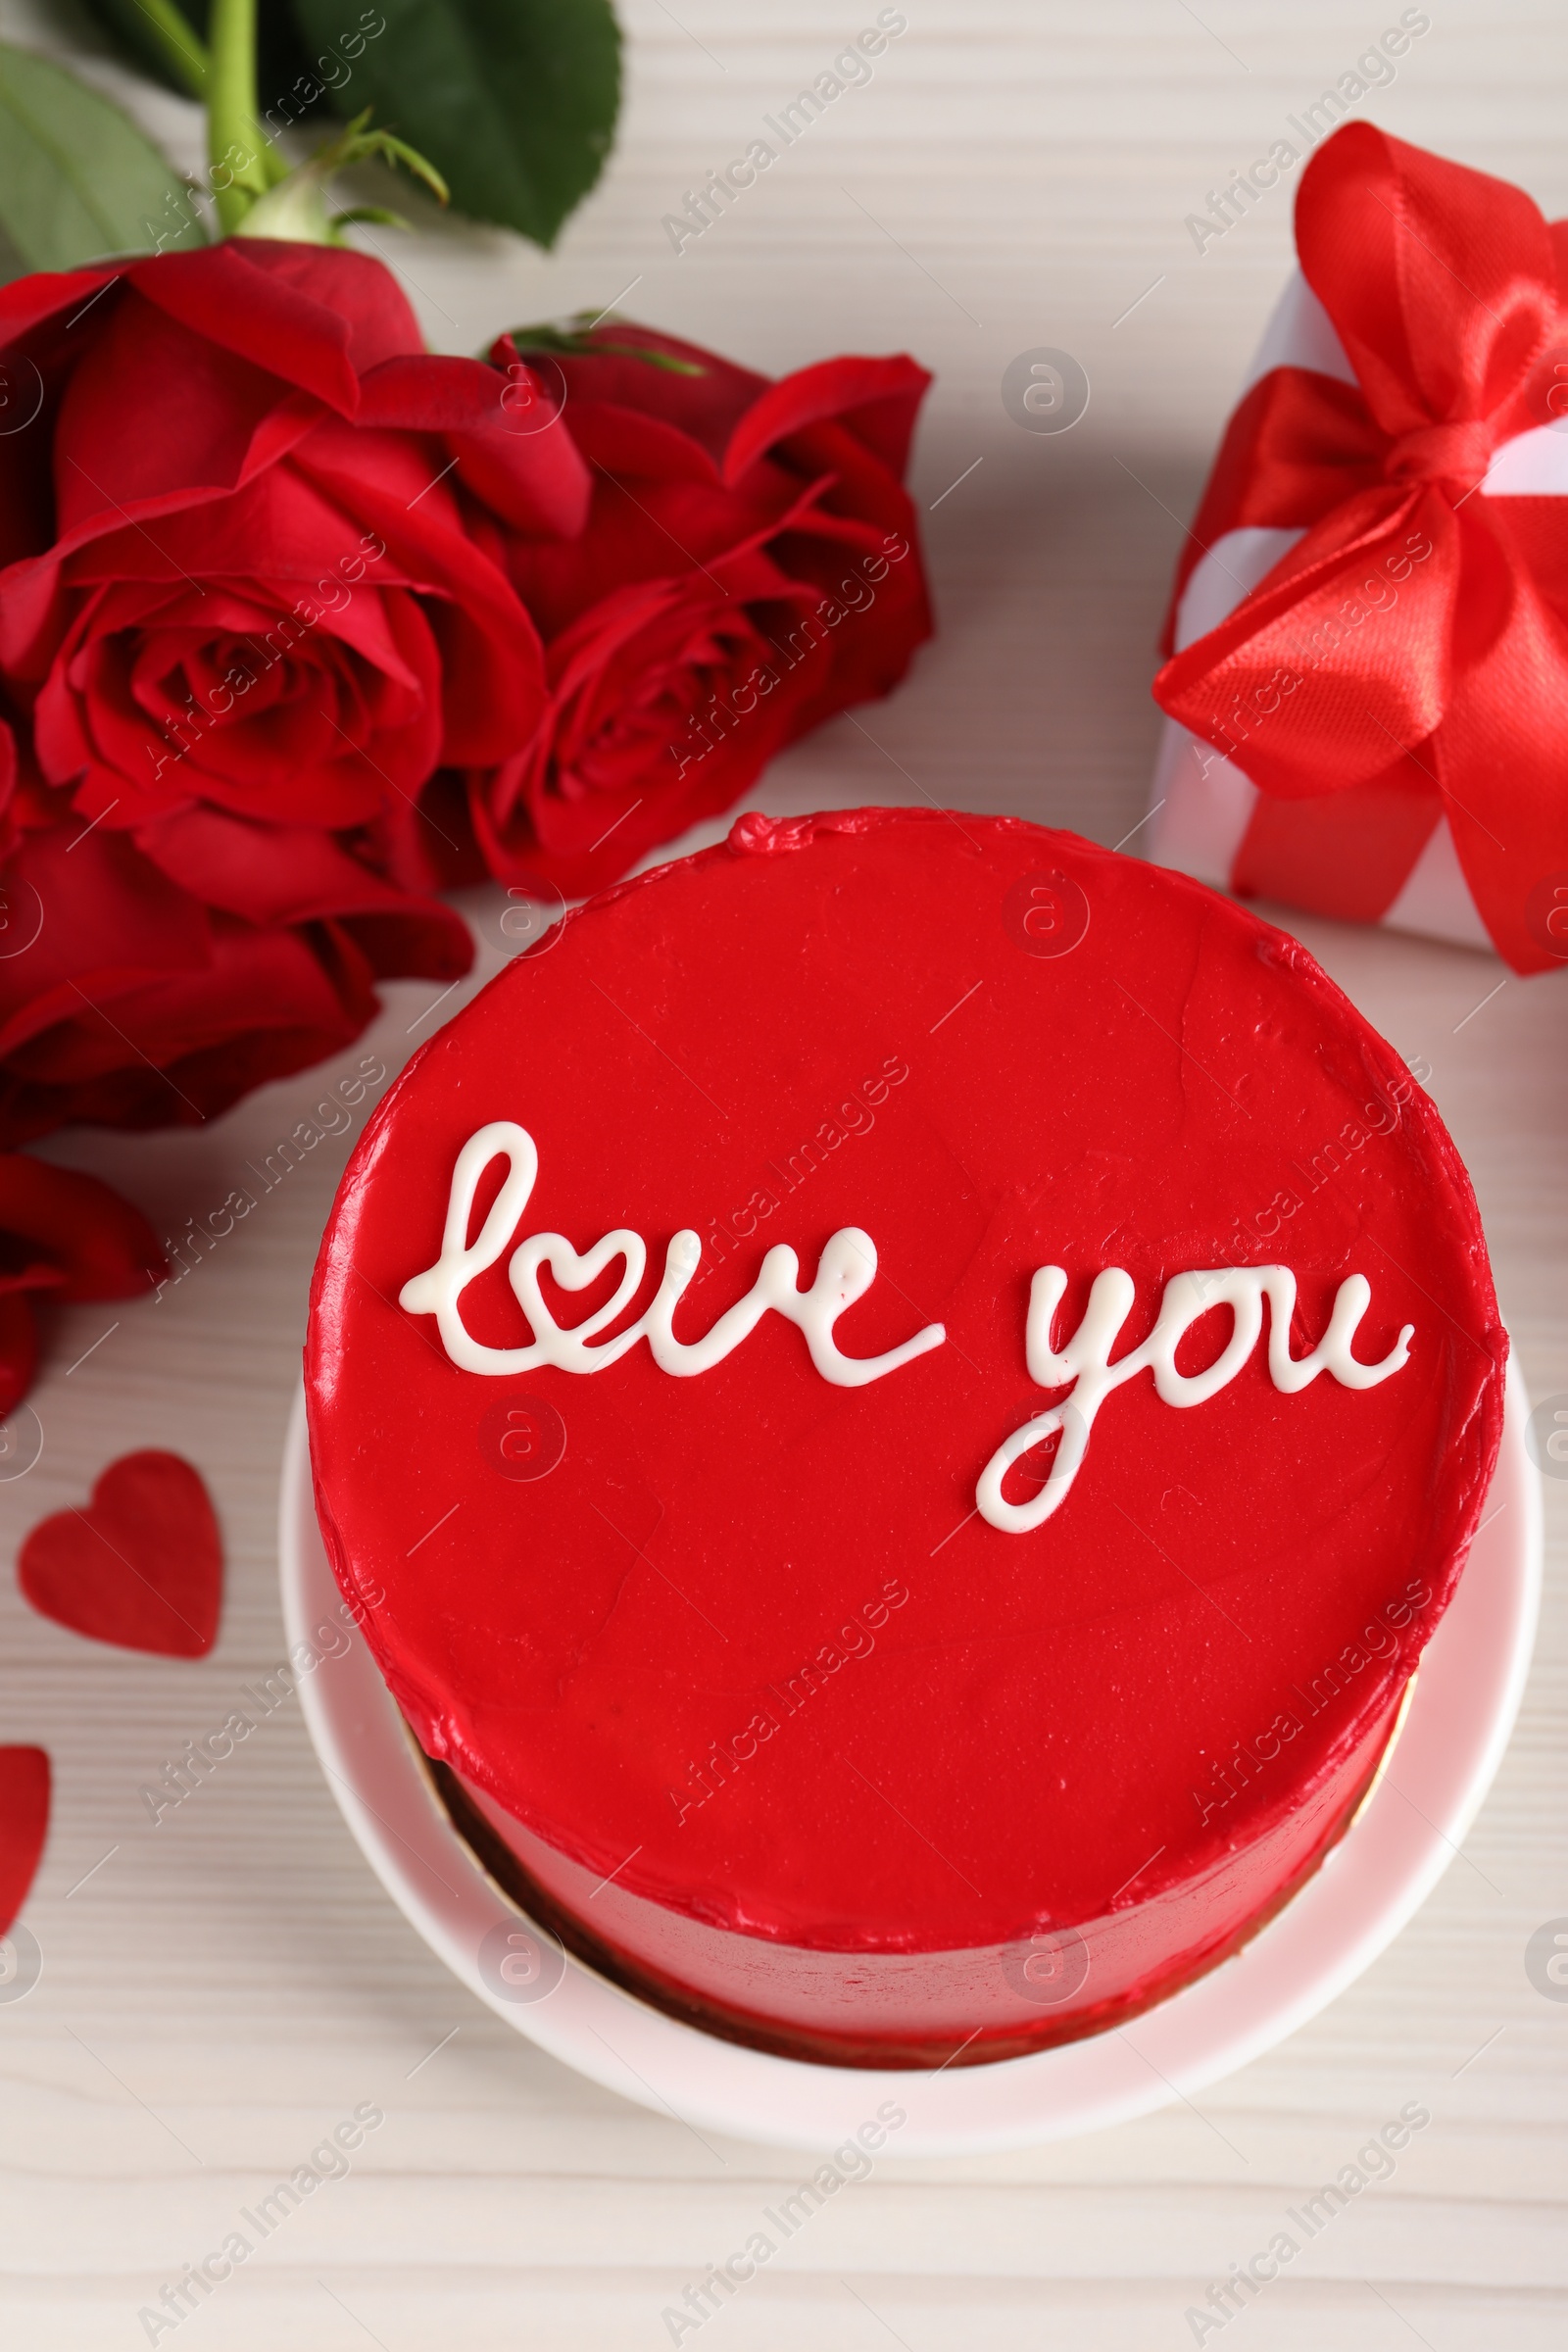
898	1401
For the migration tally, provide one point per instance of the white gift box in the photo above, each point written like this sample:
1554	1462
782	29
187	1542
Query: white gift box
1203	802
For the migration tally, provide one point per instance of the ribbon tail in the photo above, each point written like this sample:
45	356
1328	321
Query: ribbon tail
1499	752
1518	878
1347	855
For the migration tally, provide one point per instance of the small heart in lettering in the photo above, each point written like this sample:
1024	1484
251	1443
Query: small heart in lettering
576	1270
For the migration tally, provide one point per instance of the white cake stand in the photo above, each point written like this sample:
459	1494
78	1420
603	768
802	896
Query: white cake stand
1404	1836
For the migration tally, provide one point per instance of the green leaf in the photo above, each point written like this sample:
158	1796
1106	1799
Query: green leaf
11	265
160	37
513	101
77	179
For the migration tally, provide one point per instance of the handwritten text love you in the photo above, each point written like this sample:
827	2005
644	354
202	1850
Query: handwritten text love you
844	1272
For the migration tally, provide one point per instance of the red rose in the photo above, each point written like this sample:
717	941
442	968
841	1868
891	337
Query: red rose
152	978
160	977
62	1237
251	595
749	567
259	582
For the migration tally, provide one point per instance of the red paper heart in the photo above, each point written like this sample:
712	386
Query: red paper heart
142	1566
23	1823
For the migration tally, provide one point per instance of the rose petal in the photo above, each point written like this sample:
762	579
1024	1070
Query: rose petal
288	319
876	400
98	1245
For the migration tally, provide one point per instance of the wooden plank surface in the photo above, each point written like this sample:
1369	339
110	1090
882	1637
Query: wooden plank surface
225	1986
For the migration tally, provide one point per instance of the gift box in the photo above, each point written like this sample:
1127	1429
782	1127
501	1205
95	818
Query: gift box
1367	683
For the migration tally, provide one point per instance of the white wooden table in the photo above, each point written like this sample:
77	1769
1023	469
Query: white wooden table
225	1988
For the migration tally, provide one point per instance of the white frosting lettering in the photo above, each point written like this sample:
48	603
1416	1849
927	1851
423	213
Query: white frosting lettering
845	1271
1084	1361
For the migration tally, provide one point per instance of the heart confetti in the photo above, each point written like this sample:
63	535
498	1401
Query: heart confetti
142	1566
24	1824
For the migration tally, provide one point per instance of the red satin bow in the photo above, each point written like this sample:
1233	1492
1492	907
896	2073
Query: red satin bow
1409	657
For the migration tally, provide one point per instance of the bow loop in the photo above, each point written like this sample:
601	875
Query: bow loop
1441	283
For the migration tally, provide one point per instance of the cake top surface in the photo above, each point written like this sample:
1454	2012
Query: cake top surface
862	1373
